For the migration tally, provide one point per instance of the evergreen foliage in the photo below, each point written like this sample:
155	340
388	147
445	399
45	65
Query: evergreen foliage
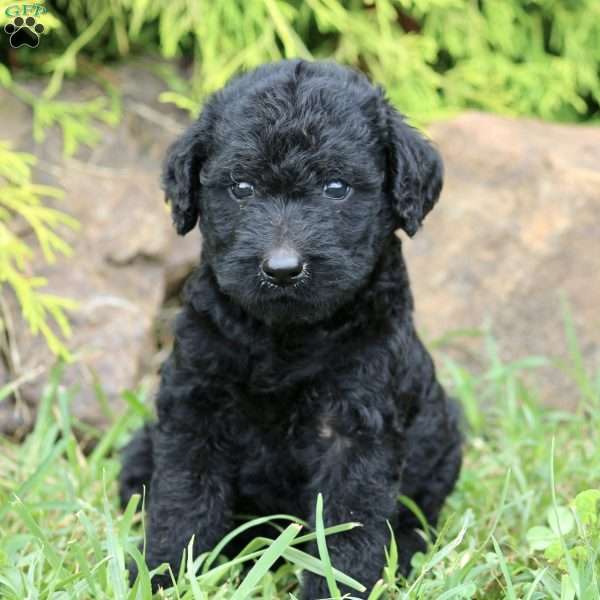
539	57
21	201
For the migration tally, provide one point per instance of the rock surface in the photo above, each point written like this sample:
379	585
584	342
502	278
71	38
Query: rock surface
518	225
125	254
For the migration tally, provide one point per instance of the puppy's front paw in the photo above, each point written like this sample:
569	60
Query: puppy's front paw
132	570
162	581
314	587
158	581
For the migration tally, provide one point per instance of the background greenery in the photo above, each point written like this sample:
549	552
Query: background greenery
535	57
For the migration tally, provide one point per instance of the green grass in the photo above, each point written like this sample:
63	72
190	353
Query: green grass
523	522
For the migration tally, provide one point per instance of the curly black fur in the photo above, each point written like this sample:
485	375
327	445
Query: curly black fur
273	394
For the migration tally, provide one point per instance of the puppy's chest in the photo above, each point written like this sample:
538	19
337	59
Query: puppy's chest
271	451
286	437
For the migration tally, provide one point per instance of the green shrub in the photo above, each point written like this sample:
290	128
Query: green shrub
21	200
539	57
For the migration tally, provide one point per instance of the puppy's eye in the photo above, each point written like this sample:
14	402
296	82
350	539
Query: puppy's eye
336	189
242	190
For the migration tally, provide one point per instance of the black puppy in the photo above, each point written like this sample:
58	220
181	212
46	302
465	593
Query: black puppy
296	367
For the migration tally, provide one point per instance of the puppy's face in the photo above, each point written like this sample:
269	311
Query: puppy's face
299	173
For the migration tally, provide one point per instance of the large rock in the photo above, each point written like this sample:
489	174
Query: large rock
518	225
124	255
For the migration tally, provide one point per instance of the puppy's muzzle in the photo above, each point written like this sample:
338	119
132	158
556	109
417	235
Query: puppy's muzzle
283	266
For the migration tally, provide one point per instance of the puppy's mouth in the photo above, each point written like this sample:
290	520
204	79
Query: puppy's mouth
295	295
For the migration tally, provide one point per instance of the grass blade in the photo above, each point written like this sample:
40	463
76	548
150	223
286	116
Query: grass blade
323	552
314	565
264	563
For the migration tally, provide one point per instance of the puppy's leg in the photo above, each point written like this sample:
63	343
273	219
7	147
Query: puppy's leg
359	483
136	472
432	467
191	494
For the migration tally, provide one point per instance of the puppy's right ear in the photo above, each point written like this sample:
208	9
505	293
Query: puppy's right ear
181	172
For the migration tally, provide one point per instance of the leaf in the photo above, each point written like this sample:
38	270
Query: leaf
5	78
560	519
554	551
567	590
314	565
216	551
510	590
377	591
444	552
539	537
391	559
263	564
323	552
21	199
586	505
580	553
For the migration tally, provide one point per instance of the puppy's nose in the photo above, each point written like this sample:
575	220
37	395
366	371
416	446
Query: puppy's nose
282	266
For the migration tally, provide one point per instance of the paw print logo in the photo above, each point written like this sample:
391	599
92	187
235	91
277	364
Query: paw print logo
24	32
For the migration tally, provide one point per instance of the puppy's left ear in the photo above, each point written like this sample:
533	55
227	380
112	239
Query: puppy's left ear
181	172
415	172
